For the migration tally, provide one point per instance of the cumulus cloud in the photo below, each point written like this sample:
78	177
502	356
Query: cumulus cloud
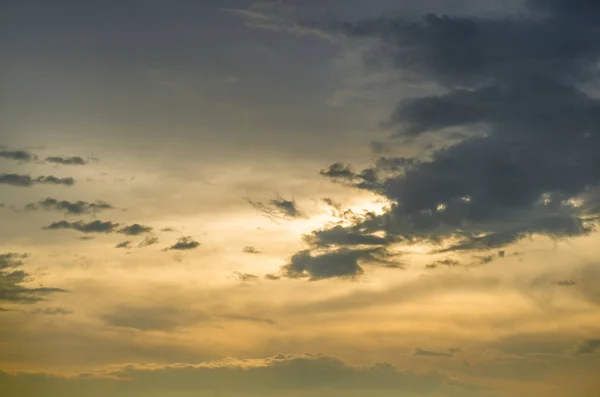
184	243
70	207
13	287
76	160
26	180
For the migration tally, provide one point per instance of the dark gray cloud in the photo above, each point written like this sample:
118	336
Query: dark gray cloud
430	353
342	262
70	207
279	208
184	243
520	84
76	160
17	155
26	180
135	230
12	279
588	346
89	227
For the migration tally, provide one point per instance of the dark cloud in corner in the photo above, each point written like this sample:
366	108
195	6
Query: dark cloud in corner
69	207
76	160
12	278
184	243
27	181
521	83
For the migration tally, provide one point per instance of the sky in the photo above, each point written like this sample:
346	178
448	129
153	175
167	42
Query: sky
299	198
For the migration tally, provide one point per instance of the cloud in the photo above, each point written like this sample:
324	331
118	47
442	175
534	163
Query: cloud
588	346
306	374
66	160
81	226
52	311
70	207
245	277
184	243
98	226
521	86
430	353
151	318
124	244
343	262
147	241
12	280
17	155
249	249
279	208
135	230
565	283
26	180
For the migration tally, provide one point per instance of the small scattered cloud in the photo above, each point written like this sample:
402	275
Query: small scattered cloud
147	241
249	249
245	277
184	243
69	207
17	155
124	244
81	226
135	230
431	353
76	160
565	283
26	180
279	208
